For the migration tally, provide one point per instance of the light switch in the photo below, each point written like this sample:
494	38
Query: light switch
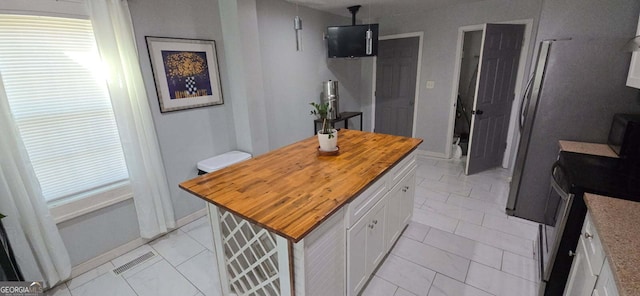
431	84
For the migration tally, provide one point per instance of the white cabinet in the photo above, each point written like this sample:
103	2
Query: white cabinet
357	272
633	79
376	219
375	238
399	208
365	247
590	271
581	280
409	192
606	285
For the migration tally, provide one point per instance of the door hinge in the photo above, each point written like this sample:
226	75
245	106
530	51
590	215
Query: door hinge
504	146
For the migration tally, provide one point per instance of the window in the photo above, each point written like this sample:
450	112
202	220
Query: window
52	76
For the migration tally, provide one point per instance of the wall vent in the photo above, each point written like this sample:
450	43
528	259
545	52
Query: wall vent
133	263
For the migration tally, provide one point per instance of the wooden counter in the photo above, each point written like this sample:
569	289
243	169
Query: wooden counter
291	190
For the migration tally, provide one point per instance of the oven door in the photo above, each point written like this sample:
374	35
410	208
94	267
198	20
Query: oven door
557	209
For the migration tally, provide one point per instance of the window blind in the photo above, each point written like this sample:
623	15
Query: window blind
51	71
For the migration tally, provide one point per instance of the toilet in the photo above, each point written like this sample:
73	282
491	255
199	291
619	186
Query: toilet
221	161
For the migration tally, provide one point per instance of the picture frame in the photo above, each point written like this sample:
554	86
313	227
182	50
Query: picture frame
185	72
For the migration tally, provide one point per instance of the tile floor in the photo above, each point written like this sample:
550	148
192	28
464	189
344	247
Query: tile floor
460	243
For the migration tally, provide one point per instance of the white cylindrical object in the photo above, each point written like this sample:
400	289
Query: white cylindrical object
369	39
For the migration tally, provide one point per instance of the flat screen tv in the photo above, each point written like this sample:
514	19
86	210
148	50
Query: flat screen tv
351	41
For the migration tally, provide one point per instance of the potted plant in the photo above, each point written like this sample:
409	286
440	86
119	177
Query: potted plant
327	136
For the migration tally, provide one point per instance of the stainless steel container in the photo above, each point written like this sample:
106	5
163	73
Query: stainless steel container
330	95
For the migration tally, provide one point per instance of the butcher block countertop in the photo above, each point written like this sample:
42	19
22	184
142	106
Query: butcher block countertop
587	148
616	221
292	190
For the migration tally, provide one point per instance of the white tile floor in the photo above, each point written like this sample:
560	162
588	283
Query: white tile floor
460	243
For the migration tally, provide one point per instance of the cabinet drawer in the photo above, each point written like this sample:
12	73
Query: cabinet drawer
593	246
402	169
365	201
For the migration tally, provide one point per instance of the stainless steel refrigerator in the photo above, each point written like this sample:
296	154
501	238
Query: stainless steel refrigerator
576	87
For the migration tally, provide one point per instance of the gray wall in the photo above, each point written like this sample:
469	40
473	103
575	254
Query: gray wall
292	79
185	136
98	232
240	31
440	29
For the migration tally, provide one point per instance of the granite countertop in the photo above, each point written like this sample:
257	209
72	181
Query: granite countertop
617	222
292	190
587	148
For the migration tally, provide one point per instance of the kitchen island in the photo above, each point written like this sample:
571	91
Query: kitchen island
290	222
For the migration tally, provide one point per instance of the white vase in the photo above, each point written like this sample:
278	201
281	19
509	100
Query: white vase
327	144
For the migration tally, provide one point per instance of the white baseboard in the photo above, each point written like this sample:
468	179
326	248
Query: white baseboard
191	217
425	153
123	249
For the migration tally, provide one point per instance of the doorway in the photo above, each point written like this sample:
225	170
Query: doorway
483	99
395	89
472	44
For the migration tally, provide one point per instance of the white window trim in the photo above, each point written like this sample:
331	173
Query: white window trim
64	8
70	208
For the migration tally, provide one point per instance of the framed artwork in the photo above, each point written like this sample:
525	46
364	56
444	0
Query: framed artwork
185	72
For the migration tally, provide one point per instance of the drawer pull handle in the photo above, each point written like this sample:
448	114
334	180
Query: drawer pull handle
571	254
588	235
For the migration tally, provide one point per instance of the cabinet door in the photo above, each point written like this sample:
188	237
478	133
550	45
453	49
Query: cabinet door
581	279
633	79
395	209
357	273
376	245
606	285
408	195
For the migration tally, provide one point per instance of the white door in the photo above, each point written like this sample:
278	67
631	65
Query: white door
375	236
394	213
408	196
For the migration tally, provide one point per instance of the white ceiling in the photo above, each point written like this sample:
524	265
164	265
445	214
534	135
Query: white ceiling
378	7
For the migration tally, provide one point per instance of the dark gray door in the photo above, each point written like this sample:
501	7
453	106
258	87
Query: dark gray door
494	96
397	63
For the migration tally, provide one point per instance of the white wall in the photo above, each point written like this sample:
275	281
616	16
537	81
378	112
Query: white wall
191	135
440	29
293	79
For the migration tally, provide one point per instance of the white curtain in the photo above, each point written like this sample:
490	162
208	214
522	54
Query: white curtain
116	42
33	235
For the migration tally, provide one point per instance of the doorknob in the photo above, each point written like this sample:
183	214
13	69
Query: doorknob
478	112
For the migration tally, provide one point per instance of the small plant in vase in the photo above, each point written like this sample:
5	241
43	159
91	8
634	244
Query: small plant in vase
327	136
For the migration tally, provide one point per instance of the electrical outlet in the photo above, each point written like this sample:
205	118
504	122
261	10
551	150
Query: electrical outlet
431	84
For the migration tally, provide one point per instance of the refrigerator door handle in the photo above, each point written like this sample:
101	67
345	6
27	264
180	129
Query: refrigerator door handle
523	104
